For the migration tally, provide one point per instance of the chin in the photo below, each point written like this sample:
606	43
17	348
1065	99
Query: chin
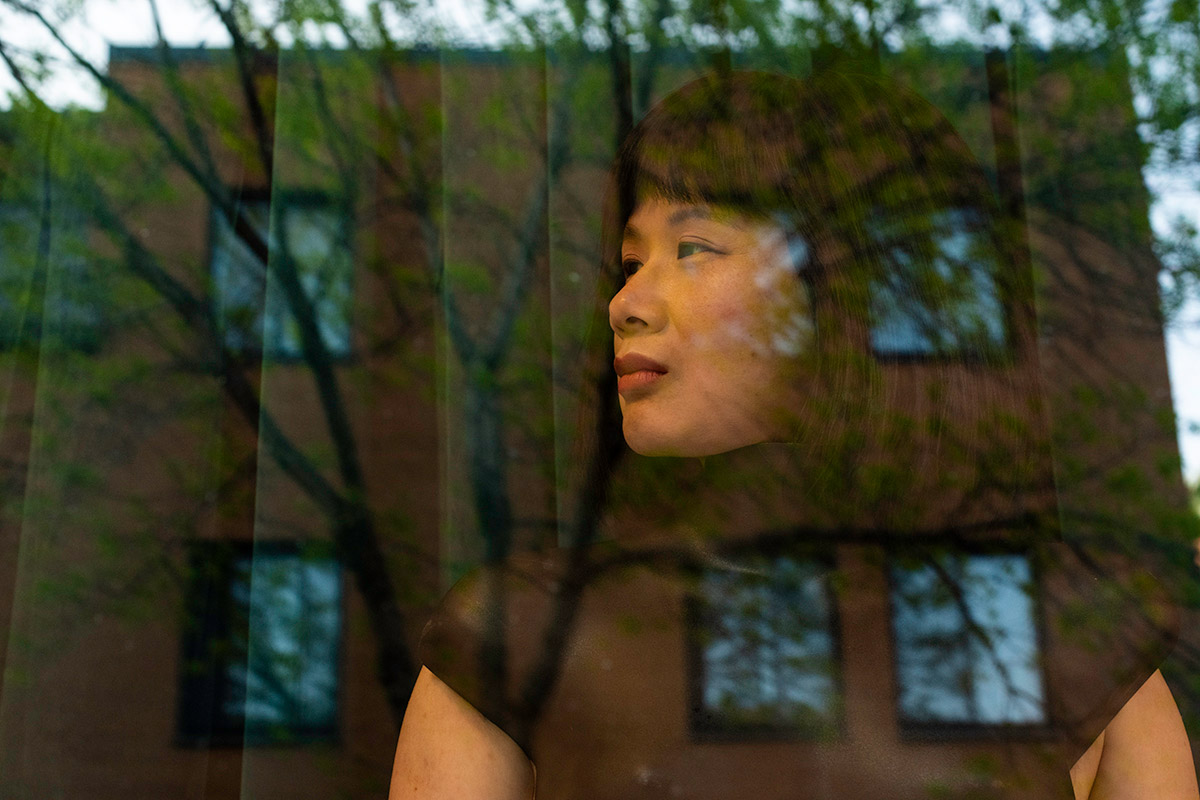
677	444
648	440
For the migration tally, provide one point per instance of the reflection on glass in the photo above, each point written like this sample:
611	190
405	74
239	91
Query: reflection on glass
262	644
249	314
313	235
967	641
289	674
47	291
938	292
238	278
767	655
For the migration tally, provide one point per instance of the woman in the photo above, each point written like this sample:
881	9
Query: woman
776	238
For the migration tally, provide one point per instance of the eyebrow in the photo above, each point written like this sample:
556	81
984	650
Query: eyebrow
684	214
690	212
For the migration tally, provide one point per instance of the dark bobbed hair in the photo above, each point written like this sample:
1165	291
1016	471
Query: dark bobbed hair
860	172
855	167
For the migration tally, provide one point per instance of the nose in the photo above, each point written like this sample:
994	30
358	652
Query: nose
639	307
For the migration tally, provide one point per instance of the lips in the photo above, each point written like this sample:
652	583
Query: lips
637	373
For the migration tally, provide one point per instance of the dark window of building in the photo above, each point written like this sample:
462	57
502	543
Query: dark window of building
966	635
252	309
261	643
937	294
763	651
49	293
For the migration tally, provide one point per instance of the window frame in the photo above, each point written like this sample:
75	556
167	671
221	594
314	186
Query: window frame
201	720
57	215
1007	295
287	200
950	731
704	726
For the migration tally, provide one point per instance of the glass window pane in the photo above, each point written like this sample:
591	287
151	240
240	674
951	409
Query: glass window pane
767	655
938	292
253	311
238	278
49	291
268	638
315	239
967	641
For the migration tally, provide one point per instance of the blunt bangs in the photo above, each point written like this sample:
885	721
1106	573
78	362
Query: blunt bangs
725	141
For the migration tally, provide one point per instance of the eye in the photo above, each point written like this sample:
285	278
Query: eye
688	249
630	266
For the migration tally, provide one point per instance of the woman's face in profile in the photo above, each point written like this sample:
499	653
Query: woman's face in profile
708	330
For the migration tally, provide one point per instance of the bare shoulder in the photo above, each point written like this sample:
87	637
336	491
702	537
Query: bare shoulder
507	604
1143	752
447	750
454	742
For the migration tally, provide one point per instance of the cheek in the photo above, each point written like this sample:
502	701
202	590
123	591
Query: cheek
720	331
745	325
728	319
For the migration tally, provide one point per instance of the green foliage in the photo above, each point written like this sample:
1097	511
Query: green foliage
469	277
